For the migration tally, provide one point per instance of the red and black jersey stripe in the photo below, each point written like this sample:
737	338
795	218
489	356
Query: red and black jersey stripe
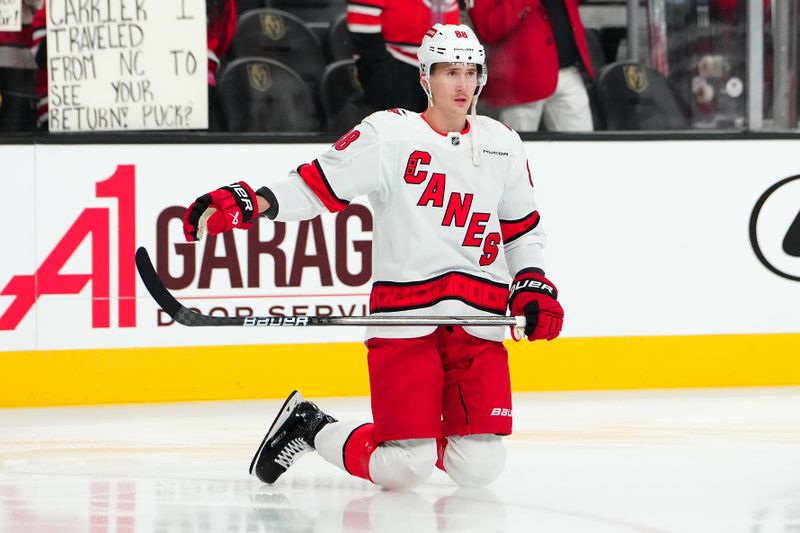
513	229
314	177
489	296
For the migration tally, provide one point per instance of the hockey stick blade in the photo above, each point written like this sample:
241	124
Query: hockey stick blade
167	301
154	286
188	317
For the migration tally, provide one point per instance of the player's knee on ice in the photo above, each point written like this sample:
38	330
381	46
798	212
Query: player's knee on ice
403	464
474	460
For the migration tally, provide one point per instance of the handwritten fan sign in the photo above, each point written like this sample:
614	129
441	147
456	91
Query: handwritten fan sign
116	65
10	15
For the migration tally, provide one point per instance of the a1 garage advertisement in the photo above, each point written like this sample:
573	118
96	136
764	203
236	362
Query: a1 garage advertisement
645	239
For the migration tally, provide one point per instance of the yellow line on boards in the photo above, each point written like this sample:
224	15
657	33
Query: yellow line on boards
69	377
657	362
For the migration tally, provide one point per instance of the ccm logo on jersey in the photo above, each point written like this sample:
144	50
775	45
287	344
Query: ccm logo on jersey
500	412
533	285
276	321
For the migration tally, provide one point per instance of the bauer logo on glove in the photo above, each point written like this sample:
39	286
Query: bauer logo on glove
534	285
226	208
535	297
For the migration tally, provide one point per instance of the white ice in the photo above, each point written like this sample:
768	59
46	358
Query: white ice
710	461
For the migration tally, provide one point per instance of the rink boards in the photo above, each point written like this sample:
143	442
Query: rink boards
678	264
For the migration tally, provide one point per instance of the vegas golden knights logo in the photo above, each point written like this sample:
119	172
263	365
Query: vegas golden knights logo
354	80
636	78
273	27
260	76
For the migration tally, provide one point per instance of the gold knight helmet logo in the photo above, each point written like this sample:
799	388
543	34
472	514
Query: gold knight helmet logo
260	76
636	78
273	27
355	81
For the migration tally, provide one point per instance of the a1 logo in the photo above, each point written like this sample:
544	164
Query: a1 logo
93	223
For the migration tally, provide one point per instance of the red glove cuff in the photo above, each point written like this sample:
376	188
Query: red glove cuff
527	283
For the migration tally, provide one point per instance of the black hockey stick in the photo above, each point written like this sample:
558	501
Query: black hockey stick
188	317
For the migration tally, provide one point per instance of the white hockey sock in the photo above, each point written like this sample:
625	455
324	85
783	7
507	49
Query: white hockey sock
331	439
394	464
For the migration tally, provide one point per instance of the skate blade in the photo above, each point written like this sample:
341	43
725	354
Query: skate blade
288	406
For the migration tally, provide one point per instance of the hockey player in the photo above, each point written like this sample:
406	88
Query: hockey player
455	215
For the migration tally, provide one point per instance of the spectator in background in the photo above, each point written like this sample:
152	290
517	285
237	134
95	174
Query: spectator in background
39	50
386	35
17	73
220	24
538	50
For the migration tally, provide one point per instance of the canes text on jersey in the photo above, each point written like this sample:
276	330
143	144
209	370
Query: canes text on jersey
457	210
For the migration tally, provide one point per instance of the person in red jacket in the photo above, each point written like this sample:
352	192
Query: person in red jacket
538	49
221	26
39	51
17	72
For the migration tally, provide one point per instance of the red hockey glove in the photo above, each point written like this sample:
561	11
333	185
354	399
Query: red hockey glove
226	208
534	296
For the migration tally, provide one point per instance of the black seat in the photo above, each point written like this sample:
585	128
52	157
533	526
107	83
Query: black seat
340	45
18	80
243	6
339	84
17	99
632	96
312	10
281	36
263	95
598	60
17	112
307	10
595	47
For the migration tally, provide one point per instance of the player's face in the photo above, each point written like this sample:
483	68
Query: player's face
453	85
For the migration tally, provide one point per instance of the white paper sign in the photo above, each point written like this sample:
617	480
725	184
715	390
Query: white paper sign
10	15
127	65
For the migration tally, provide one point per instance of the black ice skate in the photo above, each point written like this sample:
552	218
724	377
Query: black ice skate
290	436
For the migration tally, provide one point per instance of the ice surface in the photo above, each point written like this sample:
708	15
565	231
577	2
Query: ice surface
705	461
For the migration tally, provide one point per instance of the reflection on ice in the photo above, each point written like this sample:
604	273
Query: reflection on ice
666	461
131	505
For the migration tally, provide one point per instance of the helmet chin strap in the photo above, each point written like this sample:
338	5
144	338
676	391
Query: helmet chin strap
476	158
427	90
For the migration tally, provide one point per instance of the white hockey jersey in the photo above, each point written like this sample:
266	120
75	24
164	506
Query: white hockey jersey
448	234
